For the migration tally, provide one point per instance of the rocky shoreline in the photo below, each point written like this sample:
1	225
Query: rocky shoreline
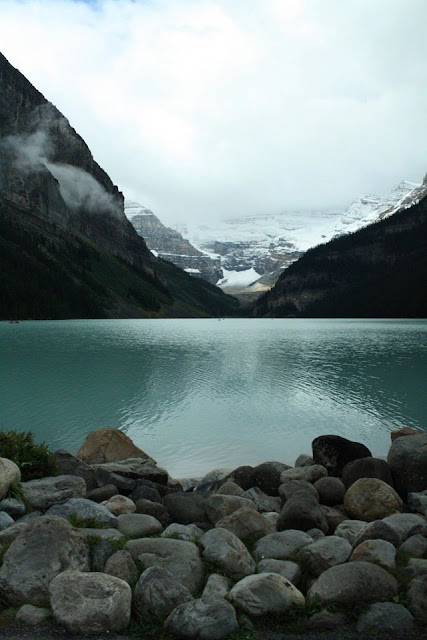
112	544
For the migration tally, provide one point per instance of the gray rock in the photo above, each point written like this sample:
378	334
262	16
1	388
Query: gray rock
371	499
310	473
100	494
46	492
210	481
263	502
265	593
48	546
302	511
334	452
138	525
69	465
154	509
331	491
304	460
282	545
242	476
285	568
144	492
92	603
353	583
5	520
334	517
181	558
377	551
266	476
100	552
218	506
86	511
186	508
9	474
226	551
230	488
158	592
325	619
416	500
12	532
407	459
386	617
415	545
31	616
323	554
416	567
273	517
350	529
366	468
316	534
378	530
13	507
134	469
121	565
403	523
211	620
247	523
124	485
417	595
291	486
189	532
94	533
217	586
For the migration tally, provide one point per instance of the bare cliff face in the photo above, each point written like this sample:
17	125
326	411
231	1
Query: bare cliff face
49	179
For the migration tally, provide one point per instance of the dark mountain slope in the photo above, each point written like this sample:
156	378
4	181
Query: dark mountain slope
379	271
66	247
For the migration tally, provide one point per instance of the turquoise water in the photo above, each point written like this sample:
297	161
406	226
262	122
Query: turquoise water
200	394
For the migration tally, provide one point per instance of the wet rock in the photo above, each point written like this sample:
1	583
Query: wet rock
334	452
282	545
158	592
218	506
211	620
263	502
323	554
366	468
109	445
379	552
302	511
186	508
386	617
371	499
246	523
9	474
331	491
121	565
85	511
265	593
138	525
285	568
223	549
407	459
47	492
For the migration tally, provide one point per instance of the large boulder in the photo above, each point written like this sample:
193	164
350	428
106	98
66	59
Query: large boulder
247	523
366	468
158	592
223	549
202	620
85	511
181	558
327	552
407	458
219	506
334	452
47	547
46	492
353	583
265	593
90	603
281	545
9	474
109	445
302	511
371	499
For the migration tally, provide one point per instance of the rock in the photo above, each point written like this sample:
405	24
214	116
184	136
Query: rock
290	487
230	488
69	465
13	507
371	499
333	517
331	491
282	545
109	445
353	583
85	511
218	506
48	546
386	617
100	494
12	531
163	489
134	468
266	476
273	517
46	492
211	620
404	431
334	452
217	586
31	616
304	461
417	596
366	468
242	476
302	511
5	520
144	492
154	509
9	474
350	529
417	501
226	551
377	530
119	505
189	532
404	523
416	567
210	481
416	546
124	485
157	593
310	473
325	620
327	552
138	525
186	508
407	459
181	558
246	523
92	603
265	593
263	502
377	551
285	568
316	534
111	535
186	484
100	552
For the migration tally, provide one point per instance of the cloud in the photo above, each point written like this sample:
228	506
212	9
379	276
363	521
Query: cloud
211	108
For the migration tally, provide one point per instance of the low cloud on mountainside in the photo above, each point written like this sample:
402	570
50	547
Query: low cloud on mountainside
212	108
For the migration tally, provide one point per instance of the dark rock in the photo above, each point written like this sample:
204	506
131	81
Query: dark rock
266	476
408	463
417	594
154	509
386	617
334	452
100	552
243	477
378	530
325	619
124	485
289	487
304	461
102	493
404	431
366	468
13	507
334	517
144	492
186	508
122	565
158	592
302	512
331	491
162	489
68	464
211	620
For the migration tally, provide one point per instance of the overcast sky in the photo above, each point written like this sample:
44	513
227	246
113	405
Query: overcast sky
202	109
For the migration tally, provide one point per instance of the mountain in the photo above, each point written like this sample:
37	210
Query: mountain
169	244
378	271
66	247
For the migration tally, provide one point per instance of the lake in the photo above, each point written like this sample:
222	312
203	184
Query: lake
200	394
